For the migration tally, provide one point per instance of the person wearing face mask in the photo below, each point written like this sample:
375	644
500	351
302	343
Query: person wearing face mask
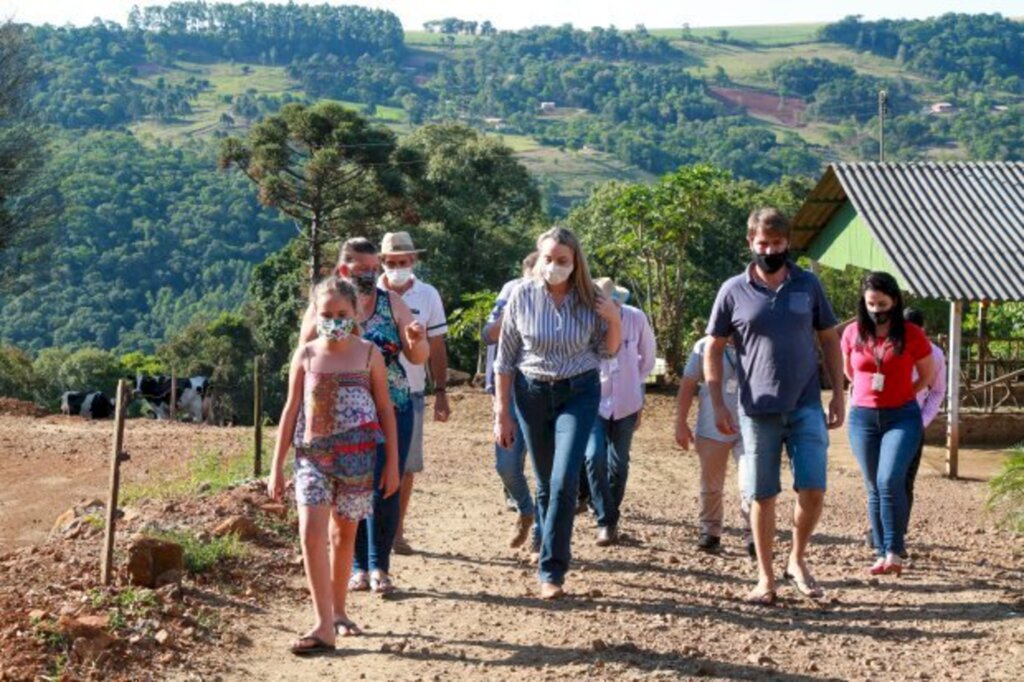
399	255
777	314
338	416
622	401
881	354
386	322
555	330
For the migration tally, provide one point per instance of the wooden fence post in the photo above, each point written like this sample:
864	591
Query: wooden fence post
174	394
116	457
953	388
257	418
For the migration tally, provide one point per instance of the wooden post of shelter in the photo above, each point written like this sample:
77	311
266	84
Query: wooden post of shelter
956	309
174	395
116	457
257	418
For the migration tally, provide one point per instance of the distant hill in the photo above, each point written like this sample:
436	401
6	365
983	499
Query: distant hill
146	101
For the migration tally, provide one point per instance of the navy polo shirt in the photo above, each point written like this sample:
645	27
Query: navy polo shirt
775	333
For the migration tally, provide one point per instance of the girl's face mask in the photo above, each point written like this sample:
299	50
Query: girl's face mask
335	329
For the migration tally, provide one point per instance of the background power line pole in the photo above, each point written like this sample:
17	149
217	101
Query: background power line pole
882	101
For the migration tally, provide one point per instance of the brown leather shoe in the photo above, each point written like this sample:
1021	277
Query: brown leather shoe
523	525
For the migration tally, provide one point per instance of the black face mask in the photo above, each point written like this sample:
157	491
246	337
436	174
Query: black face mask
365	282
771	262
880	317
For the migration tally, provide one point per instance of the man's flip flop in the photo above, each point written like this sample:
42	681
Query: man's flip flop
310	646
809	588
346	628
759	598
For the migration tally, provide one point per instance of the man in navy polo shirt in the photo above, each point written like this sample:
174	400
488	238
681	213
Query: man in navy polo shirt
776	314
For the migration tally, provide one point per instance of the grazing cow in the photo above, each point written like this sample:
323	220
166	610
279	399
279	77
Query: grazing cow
91	404
156	391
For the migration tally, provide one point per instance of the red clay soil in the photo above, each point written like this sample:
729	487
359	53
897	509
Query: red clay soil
787	111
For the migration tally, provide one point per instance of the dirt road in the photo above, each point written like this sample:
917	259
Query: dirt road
653	608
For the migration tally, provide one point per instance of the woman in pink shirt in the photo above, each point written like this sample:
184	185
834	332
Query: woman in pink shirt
881	353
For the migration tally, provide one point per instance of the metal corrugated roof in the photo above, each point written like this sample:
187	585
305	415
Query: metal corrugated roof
952	230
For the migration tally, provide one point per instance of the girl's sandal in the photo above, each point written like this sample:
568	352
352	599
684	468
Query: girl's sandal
359	582
382	586
346	628
761	597
310	646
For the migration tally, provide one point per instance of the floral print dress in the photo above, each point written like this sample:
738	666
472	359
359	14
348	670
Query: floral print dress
336	439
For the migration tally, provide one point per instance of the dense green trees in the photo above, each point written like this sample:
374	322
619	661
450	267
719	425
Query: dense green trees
146	238
986	49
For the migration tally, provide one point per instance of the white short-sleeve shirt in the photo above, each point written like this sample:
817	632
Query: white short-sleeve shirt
427	308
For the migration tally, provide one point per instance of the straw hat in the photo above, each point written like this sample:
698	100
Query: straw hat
608	289
398	242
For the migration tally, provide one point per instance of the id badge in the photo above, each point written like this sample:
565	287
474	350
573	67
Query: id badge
731	386
877	382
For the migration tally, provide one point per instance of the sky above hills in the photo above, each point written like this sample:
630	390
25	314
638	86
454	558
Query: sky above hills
582	13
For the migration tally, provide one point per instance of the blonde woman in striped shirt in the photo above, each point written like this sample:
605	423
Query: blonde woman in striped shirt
555	331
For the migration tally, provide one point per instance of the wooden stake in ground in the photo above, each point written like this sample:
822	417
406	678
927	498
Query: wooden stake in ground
174	394
257	419
116	457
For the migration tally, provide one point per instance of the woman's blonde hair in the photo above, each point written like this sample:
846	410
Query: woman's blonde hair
580	278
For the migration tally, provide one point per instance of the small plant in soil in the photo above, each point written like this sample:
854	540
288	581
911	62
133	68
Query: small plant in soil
203	554
1006	491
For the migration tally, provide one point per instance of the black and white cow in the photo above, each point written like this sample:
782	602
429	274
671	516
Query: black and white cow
91	404
156	391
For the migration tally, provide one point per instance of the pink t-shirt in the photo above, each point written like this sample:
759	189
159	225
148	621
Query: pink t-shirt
897	369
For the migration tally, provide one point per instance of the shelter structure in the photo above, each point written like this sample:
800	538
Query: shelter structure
952	231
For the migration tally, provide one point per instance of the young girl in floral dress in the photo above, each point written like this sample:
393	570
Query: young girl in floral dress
338	410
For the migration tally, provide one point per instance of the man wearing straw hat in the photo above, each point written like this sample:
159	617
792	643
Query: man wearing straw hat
622	399
399	256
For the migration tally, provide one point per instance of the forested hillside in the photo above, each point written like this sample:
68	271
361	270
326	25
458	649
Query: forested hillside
144	235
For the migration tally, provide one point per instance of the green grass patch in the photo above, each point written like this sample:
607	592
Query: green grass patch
436	39
125	604
766	34
1006	492
200	554
206	472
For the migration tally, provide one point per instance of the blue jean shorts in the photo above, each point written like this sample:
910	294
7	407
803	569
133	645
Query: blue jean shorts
802	431
414	463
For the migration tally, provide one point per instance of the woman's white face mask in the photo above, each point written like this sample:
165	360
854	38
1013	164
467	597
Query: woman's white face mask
554	273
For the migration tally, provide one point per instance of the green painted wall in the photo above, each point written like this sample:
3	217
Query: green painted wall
847	240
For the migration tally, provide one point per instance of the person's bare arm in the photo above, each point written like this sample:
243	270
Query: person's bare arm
286	427
391	480
713	372
439	370
832	352
684	400
925	373
412	333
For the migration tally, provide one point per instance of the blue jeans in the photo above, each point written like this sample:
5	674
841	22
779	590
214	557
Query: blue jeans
556	419
804	433
885	441
608	466
509	462
376	535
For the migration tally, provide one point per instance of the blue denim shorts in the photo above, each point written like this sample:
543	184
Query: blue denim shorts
802	431
414	463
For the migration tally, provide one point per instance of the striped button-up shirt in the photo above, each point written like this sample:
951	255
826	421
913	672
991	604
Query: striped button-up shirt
547	342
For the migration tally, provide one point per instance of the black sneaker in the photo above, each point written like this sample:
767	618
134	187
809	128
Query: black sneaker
752	551
709	543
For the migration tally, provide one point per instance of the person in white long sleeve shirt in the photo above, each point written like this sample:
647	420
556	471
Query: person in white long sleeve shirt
930	399
622	400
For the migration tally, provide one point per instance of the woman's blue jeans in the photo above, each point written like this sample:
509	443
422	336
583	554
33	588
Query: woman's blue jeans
556	418
376	535
885	441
